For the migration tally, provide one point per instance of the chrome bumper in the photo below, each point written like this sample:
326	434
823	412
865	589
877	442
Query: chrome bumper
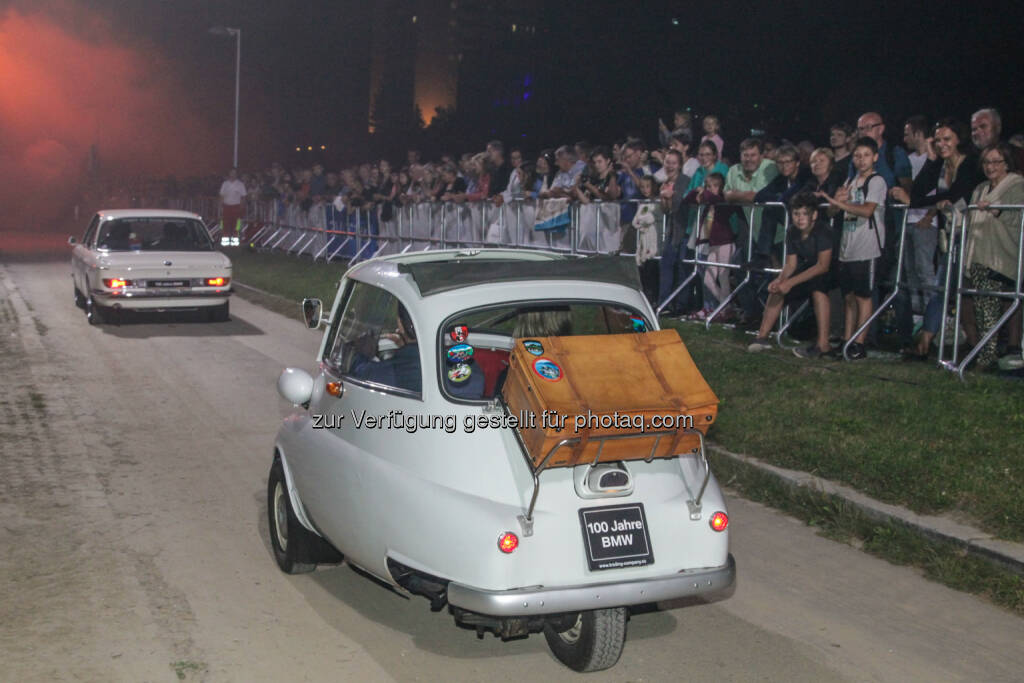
159	294
537	601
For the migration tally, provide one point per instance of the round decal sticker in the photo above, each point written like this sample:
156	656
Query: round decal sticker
460	353
547	369
639	324
459	333
459	373
533	346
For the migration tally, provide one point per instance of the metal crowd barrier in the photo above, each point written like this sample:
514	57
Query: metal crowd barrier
1016	297
698	263
356	234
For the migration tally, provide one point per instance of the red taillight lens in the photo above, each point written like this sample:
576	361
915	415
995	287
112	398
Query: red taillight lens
719	521
508	542
116	283
216	281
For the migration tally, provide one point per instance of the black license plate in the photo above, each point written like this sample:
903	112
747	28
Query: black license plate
168	283
616	536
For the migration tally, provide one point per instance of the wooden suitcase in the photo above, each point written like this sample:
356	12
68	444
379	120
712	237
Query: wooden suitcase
592	386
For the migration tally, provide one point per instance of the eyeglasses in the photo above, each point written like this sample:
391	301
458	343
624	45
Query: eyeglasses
780	162
993	162
864	129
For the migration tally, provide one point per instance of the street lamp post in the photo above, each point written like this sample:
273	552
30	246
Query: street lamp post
237	33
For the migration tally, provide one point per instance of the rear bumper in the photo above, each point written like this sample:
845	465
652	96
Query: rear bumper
538	601
143	299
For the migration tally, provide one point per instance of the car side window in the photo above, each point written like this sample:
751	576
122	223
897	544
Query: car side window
375	341
90	232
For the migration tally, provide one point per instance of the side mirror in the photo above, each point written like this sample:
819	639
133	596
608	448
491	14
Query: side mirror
72	240
295	386
313	313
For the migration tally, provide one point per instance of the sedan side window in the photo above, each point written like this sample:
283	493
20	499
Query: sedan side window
376	341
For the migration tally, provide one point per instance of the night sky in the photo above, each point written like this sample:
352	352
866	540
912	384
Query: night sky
146	82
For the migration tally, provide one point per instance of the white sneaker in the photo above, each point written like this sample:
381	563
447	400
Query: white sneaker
759	345
1011	361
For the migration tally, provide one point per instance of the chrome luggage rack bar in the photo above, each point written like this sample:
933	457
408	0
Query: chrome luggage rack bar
693	503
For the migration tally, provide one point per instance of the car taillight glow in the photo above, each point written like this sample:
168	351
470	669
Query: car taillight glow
216	281
116	283
719	521
508	542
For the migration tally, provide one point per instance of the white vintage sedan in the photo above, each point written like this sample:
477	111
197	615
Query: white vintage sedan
148	260
398	456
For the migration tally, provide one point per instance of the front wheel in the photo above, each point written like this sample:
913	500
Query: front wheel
289	539
591	642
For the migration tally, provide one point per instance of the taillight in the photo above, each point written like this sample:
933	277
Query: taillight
508	542
117	283
217	281
719	521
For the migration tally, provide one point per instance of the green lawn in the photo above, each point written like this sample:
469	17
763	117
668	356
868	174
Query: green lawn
902	433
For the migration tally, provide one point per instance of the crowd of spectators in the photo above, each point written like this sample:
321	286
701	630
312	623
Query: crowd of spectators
856	180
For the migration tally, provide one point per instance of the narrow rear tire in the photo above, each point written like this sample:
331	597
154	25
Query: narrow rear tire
94	313
593	643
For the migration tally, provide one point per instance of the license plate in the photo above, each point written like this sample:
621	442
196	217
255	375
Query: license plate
168	283
616	536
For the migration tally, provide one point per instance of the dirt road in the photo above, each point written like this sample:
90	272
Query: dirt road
133	542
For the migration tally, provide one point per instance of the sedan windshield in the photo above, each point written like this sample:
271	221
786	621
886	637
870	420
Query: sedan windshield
154	234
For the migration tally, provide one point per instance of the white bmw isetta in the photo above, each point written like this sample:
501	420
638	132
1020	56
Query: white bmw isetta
401	457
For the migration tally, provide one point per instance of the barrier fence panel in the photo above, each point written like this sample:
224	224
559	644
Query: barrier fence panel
357	233
1014	297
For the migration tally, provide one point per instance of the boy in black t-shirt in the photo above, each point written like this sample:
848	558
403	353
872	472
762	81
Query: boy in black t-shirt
809	255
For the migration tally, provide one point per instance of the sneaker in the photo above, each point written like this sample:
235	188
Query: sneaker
759	345
1011	361
857	352
811	351
699	316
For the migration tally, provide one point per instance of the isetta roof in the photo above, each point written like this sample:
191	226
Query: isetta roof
446	271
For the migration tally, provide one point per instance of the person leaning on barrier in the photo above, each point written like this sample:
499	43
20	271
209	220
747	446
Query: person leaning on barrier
790	180
945	181
717	237
808	261
990	259
603	185
569	171
862	199
671	196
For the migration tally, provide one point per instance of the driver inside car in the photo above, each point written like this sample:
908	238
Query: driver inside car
402	369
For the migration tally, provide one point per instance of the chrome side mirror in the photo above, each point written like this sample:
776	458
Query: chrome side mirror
313	313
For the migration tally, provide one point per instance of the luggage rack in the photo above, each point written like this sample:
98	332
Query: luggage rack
693	503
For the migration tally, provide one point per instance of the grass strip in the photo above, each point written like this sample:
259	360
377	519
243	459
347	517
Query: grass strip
906	434
942	561
902	433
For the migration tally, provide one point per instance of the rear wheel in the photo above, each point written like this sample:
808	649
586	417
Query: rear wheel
94	313
591	642
218	314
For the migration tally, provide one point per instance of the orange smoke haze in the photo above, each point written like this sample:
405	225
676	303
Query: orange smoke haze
61	92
